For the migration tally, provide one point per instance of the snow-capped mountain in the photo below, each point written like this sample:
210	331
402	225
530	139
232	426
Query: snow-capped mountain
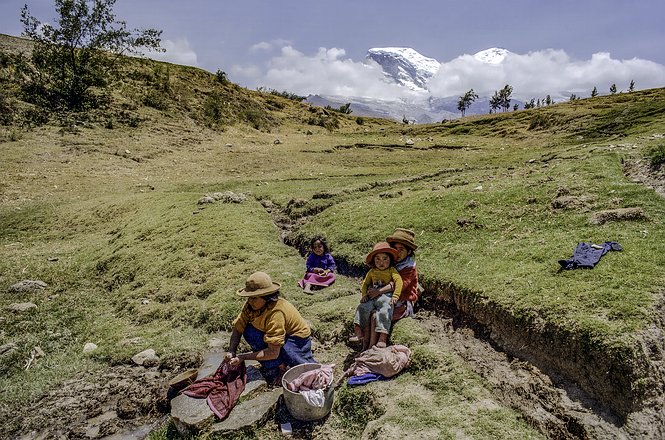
405	66
410	69
495	55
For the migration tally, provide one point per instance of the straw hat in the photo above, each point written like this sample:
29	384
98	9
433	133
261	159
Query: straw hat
405	237
381	247
259	284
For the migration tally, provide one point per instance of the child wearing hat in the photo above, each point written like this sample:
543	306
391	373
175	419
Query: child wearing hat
381	260
278	335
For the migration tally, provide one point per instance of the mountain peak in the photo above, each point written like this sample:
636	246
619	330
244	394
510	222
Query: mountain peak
494	55
405	66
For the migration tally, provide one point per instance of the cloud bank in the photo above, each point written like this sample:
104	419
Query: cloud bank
532	75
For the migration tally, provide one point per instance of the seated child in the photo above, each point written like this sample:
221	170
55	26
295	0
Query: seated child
381	260
319	267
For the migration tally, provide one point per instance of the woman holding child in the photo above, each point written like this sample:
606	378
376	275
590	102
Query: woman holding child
403	242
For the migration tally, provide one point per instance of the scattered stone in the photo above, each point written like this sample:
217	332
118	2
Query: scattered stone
52	259
617	215
471	204
21	307
309	133
229	197
409	142
205	199
28	286
478	188
277	142
89	347
531	200
146	358
229	145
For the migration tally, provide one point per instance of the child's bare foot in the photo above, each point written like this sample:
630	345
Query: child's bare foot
380	345
355	338
308	289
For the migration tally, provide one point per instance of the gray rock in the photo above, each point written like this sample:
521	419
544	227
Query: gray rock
409	142
229	197
89	347
205	199
21	307
191	415
28	286
6	349
146	358
250	413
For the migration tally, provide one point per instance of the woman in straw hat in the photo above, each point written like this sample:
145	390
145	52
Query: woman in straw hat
278	335
403	241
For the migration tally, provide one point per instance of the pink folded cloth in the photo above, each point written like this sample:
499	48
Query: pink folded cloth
317	379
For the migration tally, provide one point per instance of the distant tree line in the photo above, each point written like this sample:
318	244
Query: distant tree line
501	99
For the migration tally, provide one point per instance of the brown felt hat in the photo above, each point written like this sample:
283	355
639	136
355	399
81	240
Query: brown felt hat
259	284
381	247
404	236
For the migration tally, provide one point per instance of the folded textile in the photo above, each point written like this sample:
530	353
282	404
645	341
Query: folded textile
315	398
387	361
221	390
316	279
317	379
365	378
587	255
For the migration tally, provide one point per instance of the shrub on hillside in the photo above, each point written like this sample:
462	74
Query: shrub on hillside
657	156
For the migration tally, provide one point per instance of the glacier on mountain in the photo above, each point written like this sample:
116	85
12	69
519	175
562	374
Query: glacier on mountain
408	68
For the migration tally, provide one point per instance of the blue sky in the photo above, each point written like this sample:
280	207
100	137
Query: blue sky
319	47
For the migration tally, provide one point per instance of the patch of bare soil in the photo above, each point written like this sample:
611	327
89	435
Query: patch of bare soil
556	406
640	170
121	402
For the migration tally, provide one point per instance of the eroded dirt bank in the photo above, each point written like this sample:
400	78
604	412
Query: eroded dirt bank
535	371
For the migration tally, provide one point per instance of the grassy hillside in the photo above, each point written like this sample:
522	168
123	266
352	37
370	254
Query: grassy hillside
104	208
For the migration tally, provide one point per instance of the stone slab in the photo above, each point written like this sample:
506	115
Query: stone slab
250	413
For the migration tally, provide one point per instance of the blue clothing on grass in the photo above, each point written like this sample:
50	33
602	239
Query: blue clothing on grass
586	256
295	350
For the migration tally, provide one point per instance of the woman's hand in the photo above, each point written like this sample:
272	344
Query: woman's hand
231	359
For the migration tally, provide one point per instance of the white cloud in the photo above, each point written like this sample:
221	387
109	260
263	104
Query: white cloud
532	75
178	52
327	72
537	74
269	45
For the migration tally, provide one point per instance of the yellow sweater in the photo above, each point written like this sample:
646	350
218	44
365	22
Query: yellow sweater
277	320
381	277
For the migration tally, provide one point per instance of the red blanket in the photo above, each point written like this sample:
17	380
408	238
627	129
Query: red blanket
221	390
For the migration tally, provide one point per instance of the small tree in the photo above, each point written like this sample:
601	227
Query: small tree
631	87
504	97
465	101
495	102
548	100
80	52
594	92
613	89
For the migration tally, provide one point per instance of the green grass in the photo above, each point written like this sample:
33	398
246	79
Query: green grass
109	219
